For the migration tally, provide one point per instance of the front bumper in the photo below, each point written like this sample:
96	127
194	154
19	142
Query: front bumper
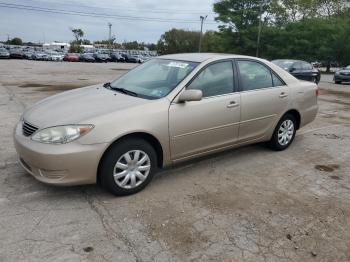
66	164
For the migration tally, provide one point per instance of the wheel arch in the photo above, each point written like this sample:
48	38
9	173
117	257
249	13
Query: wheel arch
296	115
152	140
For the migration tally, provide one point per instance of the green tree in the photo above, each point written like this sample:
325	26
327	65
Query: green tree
86	42
178	41
240	21
75	45
323	39
131	45
15	41
78	34
183	41
304	29
240	15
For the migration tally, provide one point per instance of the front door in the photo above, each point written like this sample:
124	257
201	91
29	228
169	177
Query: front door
200	126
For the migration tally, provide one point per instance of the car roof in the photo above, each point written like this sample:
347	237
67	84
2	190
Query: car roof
289	60
201	57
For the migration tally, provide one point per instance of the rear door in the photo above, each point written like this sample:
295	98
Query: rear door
264	97
298	70
303	71
308	73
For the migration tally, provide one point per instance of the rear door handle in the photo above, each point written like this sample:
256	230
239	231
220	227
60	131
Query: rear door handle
232	104
283	95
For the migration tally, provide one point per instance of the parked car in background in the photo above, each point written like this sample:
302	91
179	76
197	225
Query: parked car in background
342	75
71	57
87	57
156	115
40	56
28	54
4	53
16	53
55	56
139	59
300	69
116	57
101	57
130	58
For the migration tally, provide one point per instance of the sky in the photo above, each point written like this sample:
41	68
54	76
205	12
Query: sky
129	19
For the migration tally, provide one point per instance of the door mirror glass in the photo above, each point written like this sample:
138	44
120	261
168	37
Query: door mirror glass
190	95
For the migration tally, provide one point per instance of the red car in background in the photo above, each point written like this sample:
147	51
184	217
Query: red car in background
70	57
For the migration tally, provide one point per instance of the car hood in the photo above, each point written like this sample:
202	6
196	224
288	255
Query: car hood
79	106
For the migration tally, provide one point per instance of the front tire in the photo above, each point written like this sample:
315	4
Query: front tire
128	167
284	133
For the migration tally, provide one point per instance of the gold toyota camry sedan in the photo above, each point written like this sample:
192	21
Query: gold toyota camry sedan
170	109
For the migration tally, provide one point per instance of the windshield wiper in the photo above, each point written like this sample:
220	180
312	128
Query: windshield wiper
121	90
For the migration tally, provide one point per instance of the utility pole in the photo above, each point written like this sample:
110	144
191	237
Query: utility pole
260	28
202	18
110	35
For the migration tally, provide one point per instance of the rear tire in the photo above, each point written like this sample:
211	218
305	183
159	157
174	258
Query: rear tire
284	133
128	166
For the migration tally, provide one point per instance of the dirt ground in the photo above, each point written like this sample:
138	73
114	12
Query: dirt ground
248	204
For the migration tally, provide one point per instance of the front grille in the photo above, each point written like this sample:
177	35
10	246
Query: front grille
28	129
345	74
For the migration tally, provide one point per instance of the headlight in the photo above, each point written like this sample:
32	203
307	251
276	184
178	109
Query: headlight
337	73
61	134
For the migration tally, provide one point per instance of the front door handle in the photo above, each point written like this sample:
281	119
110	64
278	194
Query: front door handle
232	104
283	95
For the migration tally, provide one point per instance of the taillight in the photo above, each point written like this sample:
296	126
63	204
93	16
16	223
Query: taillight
317	91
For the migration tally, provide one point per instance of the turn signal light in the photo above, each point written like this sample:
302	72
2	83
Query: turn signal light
317	91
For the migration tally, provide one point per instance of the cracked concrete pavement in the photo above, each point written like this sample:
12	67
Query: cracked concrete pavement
248	204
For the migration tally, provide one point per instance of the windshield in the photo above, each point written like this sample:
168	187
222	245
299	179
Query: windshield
155	78
348	67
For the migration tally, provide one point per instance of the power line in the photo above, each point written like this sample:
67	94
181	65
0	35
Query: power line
153	10
127	8
98	15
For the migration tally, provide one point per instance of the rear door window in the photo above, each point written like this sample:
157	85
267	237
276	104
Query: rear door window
254	75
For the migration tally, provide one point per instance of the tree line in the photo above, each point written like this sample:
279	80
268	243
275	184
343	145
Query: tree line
300	29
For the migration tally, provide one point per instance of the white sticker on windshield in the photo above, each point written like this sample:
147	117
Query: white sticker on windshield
177	64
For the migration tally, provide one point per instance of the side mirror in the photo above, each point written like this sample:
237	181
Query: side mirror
292	69
190	95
